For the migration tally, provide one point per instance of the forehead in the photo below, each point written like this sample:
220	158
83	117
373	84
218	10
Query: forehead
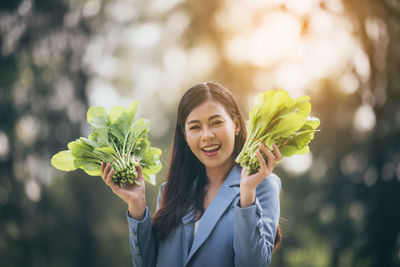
206	110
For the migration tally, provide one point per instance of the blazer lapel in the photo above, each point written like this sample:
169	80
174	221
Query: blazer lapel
220	203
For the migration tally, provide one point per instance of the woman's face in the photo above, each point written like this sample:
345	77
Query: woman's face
210	133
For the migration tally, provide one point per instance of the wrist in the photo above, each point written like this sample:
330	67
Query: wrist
136	202
137	214
247	197
137	210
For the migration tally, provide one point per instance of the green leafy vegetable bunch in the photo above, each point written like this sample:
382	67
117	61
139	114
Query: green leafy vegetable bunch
278	119
116	138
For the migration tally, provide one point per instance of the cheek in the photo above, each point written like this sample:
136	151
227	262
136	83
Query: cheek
232	141
228	136
191	140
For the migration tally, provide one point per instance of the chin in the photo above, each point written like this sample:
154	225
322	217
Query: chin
210	163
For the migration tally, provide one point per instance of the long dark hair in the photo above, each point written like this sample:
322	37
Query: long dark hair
185	170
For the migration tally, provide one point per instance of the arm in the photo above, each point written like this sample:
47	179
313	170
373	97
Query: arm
256	225
141	238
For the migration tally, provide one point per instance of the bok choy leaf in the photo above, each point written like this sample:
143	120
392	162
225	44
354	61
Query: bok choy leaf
116	138
278	119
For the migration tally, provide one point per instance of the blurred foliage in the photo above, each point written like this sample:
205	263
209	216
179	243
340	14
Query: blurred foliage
342	212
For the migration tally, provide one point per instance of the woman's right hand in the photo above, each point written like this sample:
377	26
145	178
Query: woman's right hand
132	194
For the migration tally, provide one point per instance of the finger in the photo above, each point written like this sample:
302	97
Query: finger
261	160
267	152
271	163
271	158
107	168
102	167
115	188
263	171
278	155
104	172
244	171
139	170
109	176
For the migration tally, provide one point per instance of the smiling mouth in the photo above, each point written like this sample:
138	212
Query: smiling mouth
211	149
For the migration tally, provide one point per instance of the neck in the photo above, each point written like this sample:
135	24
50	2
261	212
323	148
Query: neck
217	175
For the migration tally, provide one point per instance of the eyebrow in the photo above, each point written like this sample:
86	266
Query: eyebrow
212	117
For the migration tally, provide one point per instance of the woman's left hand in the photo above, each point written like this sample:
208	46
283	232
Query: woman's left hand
249	183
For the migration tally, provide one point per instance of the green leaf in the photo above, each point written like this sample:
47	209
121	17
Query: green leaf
79	149
115	130
312	122
106	149
80	161
89	142
152	153
151	179
64	161
288	150
139	130
117	138
131	110
303	151
95	112
274	119
89	166
92	169
152	169
102	136
115	113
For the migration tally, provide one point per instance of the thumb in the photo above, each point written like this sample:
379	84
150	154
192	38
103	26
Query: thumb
244	171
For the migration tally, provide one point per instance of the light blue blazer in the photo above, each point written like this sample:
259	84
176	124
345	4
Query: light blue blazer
227	235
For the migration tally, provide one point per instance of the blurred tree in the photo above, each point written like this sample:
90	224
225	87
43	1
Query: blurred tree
370	193
345	206
44	220
49	218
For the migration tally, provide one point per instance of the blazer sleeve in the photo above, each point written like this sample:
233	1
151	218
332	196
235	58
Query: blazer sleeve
255	226
141	239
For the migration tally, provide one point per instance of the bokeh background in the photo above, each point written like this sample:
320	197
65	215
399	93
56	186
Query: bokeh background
340	204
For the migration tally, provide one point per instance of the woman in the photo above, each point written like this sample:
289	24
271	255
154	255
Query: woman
209	211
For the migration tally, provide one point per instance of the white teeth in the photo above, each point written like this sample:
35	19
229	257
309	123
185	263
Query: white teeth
211	148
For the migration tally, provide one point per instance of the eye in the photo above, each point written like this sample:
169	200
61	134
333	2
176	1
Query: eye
193	127
216	122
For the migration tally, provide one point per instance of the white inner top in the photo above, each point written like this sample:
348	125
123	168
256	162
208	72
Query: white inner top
196	225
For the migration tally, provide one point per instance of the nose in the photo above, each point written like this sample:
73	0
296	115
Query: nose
207	134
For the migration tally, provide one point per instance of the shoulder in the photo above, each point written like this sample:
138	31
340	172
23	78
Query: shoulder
160	195
161	189
162	186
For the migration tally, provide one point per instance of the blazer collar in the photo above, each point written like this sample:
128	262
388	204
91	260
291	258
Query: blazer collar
233	179
220	203
234	176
